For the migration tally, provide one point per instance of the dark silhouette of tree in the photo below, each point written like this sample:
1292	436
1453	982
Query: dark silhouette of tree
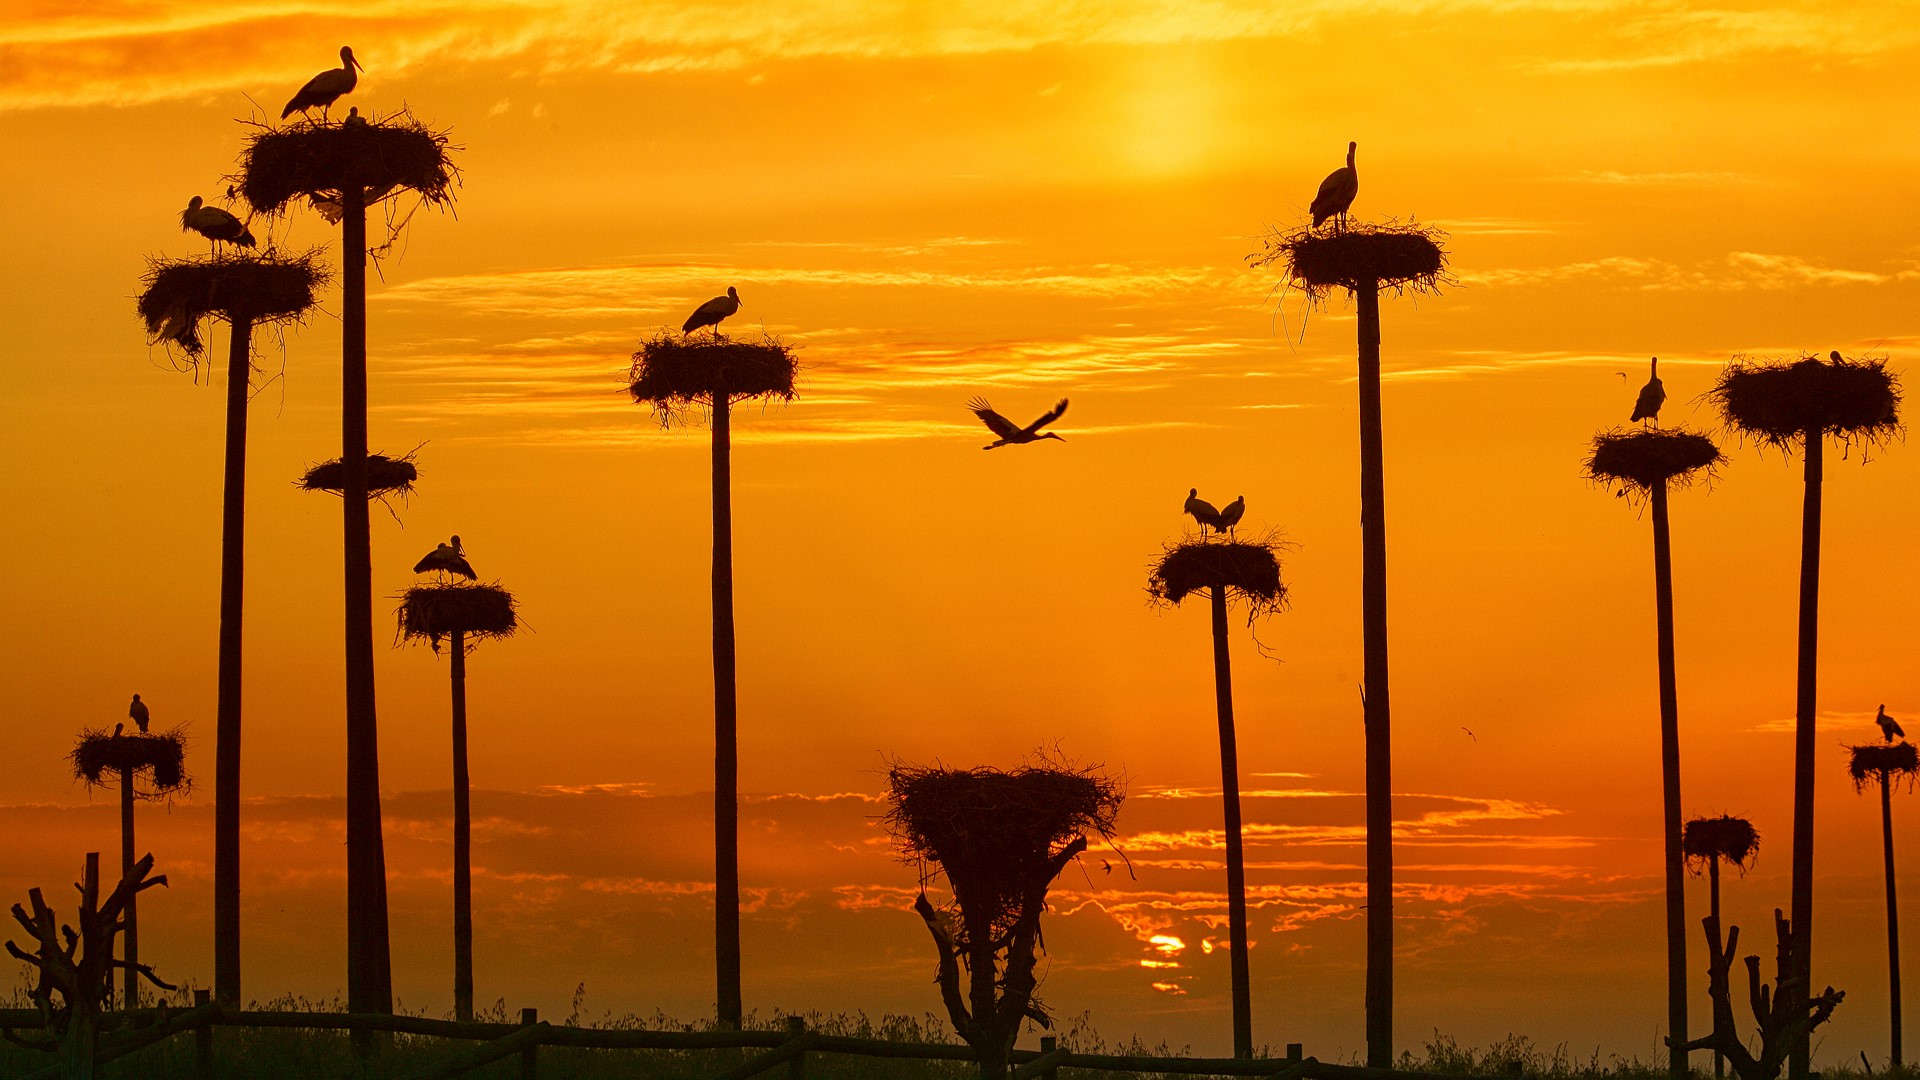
178	298
675	373
1000	838
1785	1017
1363	259
345	168
1223	570
103	759
463	614
78	964
1642	464
1890	765
1706	842
1800	404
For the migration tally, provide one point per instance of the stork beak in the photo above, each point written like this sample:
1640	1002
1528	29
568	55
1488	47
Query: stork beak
357	63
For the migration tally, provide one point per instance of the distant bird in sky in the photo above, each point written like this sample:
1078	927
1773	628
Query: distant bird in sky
1652	396
1231	513
1470	733
711	312
1106	866
446	558
327	87
1889	726
1202	511
1007	433
137	712
214	223
1337	192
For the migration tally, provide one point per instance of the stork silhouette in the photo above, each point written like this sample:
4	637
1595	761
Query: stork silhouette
1009	434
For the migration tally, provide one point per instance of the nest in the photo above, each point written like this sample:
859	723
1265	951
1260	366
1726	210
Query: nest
1389	255
997	833
672	371
101	757
437	611
1642	459
1778	402
1868	763
317	161
385	476
1725	837
1247	569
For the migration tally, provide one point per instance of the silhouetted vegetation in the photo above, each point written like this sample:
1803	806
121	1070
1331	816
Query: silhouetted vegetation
433	612
385	476
1895	762
1635	461
1249	571
1727	838
1389	255
1777	402
673	371
101	758
383	155
1785	1019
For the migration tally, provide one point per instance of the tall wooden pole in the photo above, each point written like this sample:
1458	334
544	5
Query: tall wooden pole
369	965
1893	919
130	991
1670	787
726	759
1230	796
1713	909
226	762
462	842
1803	745
1379	733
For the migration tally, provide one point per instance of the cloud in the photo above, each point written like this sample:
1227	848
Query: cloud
1735	271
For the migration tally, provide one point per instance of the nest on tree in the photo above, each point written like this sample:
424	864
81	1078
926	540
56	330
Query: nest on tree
318	161
101	757
673	371
1728	838
1895	761
385	476
1248	570
1390	255
1776	402
1642	459
997	833
266	288
475	610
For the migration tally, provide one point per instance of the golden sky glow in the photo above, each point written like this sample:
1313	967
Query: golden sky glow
934	201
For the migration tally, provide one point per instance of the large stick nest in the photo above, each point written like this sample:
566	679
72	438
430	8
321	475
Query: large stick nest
263	288
385	476
100	757
1898	761
1777	402
384	156
673	371
1733	839
1248	569
996	833
1642	459
437	611
1392	255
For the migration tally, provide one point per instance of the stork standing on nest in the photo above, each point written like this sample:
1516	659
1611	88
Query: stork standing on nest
1889	727
446	558
1336	193
1009	434
327	87
1202	511
1231	513
137	712
217	225
1652	396
711	312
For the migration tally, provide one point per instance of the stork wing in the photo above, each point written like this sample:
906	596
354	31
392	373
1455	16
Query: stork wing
996	423
433	560
460	566
1048	417
1330	187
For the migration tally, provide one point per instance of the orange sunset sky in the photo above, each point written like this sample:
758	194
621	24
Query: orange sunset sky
1027	202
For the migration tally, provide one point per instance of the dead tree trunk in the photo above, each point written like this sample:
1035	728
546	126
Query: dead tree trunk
1784	1013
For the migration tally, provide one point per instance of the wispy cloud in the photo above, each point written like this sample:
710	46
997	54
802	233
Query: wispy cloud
1737	270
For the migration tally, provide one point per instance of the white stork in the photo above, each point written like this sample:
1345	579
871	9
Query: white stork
1652	396
1336	192
1889	726
327	87
711	312
215	224
1202	511
1009	434
447	559
1231	513
137	712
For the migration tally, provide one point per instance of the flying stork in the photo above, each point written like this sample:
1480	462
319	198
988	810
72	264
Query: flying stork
1889	726
1231	513
711	312
215	224
447	559
1652	396
1337	192
1202	511
137	712
1005	430
327	87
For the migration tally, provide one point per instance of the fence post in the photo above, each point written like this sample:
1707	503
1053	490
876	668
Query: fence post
530	1057
202	1041
1047	1045
1293	1052
797	1064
